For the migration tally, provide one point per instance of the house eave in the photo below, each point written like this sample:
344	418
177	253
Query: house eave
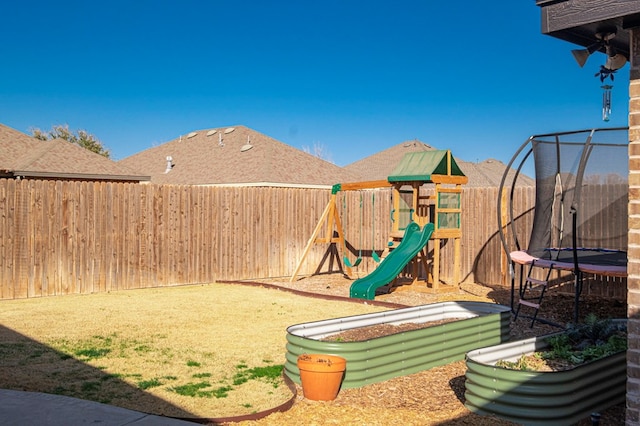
577	21
76	176
268	184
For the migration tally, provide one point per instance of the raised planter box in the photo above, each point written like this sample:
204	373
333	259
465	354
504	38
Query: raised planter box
541	398
478	324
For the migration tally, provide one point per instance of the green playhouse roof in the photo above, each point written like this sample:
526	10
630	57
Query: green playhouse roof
423	166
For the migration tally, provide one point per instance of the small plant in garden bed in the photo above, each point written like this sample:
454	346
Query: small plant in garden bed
578	344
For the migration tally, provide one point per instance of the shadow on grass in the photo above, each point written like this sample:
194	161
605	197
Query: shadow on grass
28	365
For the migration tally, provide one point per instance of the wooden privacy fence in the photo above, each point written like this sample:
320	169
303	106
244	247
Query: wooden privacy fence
68	237
61	237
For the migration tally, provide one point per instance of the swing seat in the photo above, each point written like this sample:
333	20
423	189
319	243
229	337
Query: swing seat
351	265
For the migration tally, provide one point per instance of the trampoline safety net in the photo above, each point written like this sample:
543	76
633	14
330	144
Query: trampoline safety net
581	196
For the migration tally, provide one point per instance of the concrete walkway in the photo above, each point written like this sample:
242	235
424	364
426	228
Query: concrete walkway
33	408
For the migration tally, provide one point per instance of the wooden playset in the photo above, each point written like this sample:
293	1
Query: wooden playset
412	201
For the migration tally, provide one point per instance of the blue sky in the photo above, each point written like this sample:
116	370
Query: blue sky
353	77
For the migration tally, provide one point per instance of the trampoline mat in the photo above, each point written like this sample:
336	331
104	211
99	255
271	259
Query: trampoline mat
596	261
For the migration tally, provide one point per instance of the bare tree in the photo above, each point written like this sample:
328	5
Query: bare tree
319	150
81	138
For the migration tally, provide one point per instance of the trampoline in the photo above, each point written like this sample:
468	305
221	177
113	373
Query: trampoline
580	216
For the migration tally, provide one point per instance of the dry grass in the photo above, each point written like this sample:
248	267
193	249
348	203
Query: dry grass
158	339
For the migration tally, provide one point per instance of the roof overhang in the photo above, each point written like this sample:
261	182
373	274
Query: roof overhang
75	176
264	184
578	21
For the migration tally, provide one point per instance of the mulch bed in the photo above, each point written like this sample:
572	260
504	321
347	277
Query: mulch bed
435	396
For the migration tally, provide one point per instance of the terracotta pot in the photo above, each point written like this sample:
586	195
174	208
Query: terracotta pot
321	375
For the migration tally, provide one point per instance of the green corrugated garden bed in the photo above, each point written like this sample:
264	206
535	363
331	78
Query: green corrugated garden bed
377	359
541	397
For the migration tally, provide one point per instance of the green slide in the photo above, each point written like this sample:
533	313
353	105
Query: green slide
394	263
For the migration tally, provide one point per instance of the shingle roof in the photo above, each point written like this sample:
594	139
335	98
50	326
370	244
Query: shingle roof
22	155
380	165
14	145
239	156
488	173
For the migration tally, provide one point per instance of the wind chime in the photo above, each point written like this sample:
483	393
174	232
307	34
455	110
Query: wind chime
604	73
614	62
606	101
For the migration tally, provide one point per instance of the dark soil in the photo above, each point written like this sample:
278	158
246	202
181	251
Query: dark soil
372	331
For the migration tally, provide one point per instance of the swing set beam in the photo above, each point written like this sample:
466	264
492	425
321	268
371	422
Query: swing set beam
355	186
331	218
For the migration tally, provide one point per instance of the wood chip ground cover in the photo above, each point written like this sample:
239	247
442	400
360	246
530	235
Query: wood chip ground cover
134	348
